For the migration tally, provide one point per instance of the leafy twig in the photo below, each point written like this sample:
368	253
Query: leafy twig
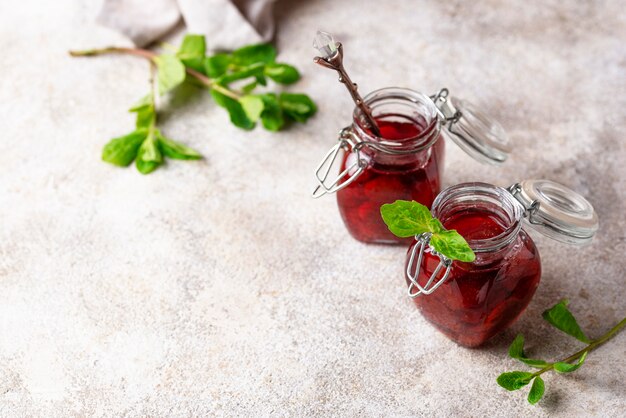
560	317
256	63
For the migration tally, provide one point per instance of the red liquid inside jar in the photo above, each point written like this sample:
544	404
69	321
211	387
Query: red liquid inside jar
388	178
482	298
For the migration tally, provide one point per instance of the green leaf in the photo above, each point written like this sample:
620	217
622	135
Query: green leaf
538	364
536	390
516	351
452	245
260	79
563	367
298	107
176	150
254	53
171	72
514	380
149	156
435	226
254	70
145	101
193	46
282	73
253	106
406	218
237	115
560	317
272	116
215	66
249	87
146	115
123	150
192	52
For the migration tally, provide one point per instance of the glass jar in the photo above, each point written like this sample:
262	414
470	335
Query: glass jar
472	302
406	160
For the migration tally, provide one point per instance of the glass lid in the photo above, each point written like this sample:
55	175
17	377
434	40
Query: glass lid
477	134
471	129
556	211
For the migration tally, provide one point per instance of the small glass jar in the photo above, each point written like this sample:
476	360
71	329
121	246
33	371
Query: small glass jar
472	302
406	160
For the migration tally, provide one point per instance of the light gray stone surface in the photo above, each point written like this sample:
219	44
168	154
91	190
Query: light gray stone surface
222	288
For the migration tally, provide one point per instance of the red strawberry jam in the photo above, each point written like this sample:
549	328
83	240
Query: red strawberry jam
481	298
389	177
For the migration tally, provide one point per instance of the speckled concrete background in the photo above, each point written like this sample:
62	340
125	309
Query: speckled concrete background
221	288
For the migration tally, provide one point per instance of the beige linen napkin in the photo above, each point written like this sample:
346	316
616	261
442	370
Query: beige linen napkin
227	24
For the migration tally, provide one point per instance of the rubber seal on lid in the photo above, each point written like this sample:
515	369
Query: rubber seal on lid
556	211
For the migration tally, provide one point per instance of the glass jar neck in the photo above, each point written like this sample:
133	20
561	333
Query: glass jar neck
485	200
408	121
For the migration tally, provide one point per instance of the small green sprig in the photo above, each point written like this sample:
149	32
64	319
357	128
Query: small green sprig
409	218
561	318
250	66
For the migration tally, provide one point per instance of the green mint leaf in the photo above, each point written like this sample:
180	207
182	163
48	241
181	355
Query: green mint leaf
149	156
514	380
192	52
260	79
216	65
298	107
237	115
563	367
146	115
560	317
537	364
193	46
254	53
123	150
516	351
406	218
176	150
282	73
253	106
452	245
249	87
272	117
144	102
254	70
435	226
536	390
171	72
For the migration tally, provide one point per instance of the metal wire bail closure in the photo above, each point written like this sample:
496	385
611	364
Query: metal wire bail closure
431	285
349	142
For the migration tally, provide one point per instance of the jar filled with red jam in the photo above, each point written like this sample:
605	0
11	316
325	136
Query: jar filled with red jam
405	160
472	302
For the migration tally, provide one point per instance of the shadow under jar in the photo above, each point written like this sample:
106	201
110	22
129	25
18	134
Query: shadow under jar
472	302
404	162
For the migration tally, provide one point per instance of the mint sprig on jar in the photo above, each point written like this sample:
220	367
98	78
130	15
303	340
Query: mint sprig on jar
472	269
409	218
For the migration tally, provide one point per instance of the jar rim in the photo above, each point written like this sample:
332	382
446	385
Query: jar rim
425	139
478	192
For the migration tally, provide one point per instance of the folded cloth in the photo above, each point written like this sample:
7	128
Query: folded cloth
227	24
